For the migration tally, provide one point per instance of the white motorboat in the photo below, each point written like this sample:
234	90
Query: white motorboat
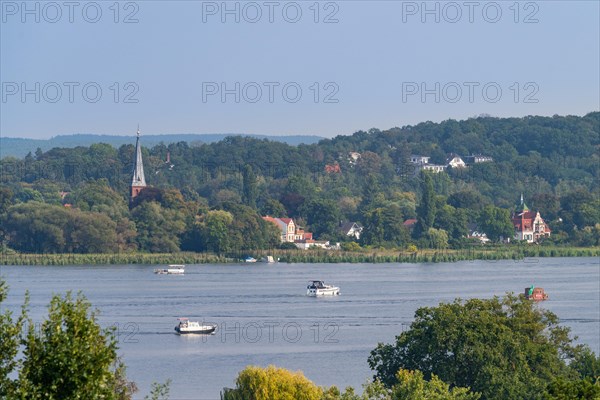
250	259
319	288
172	269
186	326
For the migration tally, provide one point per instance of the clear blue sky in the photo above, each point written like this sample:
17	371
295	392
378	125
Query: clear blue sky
375	61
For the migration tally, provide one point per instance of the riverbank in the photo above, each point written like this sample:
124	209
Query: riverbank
304	256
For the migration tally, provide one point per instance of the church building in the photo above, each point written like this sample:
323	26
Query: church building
529	225
138	182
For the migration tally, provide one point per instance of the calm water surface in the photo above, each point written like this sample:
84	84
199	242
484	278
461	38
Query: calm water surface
265	318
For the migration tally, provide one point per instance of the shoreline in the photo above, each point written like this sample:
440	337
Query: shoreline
302	256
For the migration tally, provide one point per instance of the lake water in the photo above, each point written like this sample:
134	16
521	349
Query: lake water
265	318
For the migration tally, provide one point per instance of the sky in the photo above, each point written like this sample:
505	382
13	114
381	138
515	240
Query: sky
282	68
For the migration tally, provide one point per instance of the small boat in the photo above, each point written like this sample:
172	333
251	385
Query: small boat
186	326
319	288
250	259
172	269
535	293
268	259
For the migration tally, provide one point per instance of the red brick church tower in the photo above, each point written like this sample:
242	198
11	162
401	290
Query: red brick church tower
138	182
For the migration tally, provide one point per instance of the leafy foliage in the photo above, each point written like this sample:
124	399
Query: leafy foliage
502	348
272	383
412	386
496	223
552	160
67	357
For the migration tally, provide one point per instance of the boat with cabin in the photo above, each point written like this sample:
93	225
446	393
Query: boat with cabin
186	326
319	288
535	293
172	269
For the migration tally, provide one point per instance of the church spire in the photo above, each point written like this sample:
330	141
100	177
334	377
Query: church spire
138	182
522	207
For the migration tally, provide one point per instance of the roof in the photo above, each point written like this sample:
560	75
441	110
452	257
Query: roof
521	206
286	220
409	222
346	226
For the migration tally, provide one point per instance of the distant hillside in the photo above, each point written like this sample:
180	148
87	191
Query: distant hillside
17	147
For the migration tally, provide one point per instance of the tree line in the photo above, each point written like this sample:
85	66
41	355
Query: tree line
210	197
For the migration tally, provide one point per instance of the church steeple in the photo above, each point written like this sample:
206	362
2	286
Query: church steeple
522	207
138	182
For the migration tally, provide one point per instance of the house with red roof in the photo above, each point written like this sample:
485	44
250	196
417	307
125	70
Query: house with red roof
529	225
290	232
410	224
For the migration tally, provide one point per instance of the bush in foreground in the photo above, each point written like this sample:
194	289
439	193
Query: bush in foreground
505	348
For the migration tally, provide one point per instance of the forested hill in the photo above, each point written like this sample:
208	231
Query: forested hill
19	147
366	177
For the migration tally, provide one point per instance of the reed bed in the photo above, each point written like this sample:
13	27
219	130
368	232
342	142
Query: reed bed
303	256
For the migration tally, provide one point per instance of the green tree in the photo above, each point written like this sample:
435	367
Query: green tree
6	199
100	197
585	363
323	216
496	223
469	199
9	345
39	227
273	208
27	194
383	226
452	220
159	391
413	386
374	230
565	389
250	189
158	229
438	238
503	348
426	209
215	231
272	383
245	219
370	192
71	357
49	190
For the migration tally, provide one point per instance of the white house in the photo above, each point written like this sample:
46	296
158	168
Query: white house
351	229
419	159
455	161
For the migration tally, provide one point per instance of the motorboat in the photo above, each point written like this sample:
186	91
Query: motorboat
250	259
172	269
319	288
268	259
535	293
186	326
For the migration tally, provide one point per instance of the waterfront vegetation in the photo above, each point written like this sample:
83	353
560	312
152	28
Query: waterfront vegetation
479	253
210	198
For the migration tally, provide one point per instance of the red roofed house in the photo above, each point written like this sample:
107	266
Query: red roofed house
410	223
289	231
529	225
333	168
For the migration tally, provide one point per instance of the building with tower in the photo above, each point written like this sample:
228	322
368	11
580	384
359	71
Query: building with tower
529	225
138	182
